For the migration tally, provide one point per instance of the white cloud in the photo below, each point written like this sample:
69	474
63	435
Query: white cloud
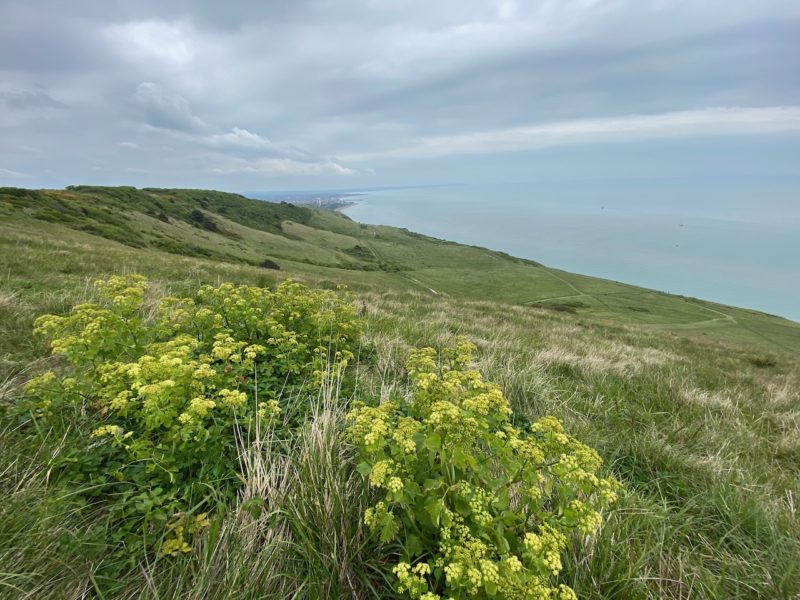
239	138
9	174
332	83
238	150
711	121
129	145
152	40
284	166
242	141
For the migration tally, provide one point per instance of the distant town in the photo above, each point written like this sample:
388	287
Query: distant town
320	199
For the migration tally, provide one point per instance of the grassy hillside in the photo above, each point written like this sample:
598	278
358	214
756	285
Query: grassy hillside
695	406
329	247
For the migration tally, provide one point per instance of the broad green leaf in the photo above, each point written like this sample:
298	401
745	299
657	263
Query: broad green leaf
433	441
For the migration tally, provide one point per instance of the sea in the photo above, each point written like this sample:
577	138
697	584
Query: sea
733	241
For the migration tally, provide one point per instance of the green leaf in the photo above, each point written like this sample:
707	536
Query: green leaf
432	484
501	502
364	468
433	442
447	519
463	459
490	587
502	542
412	489
462	506
388	530
497	483
413	546
434	510
254	506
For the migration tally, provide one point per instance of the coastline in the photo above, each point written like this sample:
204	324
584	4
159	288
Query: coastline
741	260
344	206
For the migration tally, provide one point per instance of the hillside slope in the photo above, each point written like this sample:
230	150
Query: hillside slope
327	246
695	406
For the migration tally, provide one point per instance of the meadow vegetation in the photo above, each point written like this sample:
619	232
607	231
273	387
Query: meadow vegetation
693	407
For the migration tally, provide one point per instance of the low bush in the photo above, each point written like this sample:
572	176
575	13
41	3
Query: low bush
268	263
470	505
166	391
763	362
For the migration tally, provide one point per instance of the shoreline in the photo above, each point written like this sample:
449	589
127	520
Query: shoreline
678	256
341	208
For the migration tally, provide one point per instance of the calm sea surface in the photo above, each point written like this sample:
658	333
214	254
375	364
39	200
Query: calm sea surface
734	242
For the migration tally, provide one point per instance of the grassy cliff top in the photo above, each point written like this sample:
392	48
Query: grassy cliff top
695	406
329	248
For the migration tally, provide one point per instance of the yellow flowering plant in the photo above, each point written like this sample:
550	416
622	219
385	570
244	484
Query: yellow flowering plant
167	390
473	506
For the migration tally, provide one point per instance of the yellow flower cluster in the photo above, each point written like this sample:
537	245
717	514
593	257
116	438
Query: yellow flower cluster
183	526
587	518
226	348
268	410
233	398
403	435
412	580
498	500
444	414
380	472
479	500
370	425
529	449
512	565
609	490
395	485
173	383
108	431
44	387
41	383
126	292
376	515
545	547
197	410
484	403
468	565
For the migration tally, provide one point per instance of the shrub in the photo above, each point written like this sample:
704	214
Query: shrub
472	506
200	219
268	263
763	362
167	391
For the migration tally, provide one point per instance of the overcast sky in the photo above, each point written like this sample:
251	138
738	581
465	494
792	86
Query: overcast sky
258	95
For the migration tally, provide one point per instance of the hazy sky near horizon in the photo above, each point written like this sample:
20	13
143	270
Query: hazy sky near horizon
255	95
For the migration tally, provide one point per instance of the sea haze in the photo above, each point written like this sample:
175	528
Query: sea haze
730	240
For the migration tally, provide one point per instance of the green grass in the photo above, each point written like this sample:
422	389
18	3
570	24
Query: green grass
325	245
706	440
694	405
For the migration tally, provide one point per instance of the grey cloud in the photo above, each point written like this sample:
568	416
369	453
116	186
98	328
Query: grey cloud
272	91
234	151
29	99
165	110
749	66
10	174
